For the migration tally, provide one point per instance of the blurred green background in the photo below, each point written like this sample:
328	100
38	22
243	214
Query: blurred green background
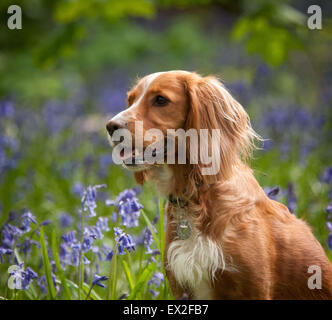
67	71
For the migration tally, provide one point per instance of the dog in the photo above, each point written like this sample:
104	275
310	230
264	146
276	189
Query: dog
225	239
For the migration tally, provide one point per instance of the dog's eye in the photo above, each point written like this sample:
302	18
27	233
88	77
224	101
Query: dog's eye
160	101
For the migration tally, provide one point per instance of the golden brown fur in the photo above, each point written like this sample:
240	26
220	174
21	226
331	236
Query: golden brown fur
268	250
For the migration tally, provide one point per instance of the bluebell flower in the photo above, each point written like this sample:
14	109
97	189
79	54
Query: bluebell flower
78	189
124	241
329	241
154	282
7	109
9	234
328	209
42	284
108	252
155	252
69	237
16	276
26	247
29	216
4	251
63	254
272	192
65	220
154	292
102	224
110	202
28	276
291	199
109	256
98	279
105	160
89	199
157	279
75	255
327	175
87	244
147	240
329	226
123	296
45	222
128	208
96	251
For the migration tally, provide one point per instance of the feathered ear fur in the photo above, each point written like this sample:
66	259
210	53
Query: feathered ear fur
211	106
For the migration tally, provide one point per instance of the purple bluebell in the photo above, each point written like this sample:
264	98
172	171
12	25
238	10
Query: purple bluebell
78	189
7	109
41	281
154	283
75	255
124	241
128	208
28	276
69	237
327	175
45	222
329	241
329	226
65	220
4	251
16	276
98	279
156	280
102	224
291	199
9	234
96	251
89	199
123	296
87	243
272	192
147	240
328	209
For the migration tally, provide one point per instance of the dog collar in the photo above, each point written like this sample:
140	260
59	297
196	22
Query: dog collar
183	227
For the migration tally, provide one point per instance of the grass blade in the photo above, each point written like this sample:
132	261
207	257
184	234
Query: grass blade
143	278
128	275
151	227
59	268
85	289
47	268
161	228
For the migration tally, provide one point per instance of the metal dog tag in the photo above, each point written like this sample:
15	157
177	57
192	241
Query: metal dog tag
183	229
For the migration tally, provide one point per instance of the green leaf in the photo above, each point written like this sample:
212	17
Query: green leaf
85	288
128	275
148	222
161	228
143	278
59	268
47	268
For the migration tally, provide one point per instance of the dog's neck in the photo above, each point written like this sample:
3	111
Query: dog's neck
170	184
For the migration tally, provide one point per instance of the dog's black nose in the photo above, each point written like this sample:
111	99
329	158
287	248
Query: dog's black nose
113	125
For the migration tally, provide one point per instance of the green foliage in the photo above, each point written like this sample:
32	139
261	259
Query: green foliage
269	29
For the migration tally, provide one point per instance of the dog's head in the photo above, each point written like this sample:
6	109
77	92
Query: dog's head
167	101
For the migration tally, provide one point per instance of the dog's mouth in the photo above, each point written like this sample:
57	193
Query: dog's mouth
141	158
135	160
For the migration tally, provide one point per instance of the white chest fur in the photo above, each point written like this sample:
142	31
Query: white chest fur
194	262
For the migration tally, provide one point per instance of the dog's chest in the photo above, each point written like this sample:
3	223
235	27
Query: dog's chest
194	261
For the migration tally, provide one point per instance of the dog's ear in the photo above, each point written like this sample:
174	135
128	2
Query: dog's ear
211	106
139	177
